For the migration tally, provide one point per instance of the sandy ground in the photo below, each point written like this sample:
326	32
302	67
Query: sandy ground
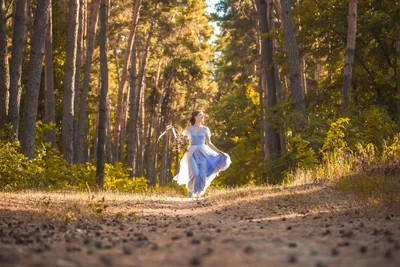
312	225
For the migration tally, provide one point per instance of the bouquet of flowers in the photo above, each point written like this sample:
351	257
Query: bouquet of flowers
181	141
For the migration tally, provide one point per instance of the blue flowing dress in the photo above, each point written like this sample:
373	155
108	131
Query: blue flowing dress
200	164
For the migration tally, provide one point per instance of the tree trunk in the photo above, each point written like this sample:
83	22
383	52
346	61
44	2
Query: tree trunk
132	128
49	104
79	44
69	82
4	71
261	90
121	86
149	147
169	162
349	53
122	138
86	143
33	78
293	61
272	135
84	27
166	119
164	160
153	169
96	121
108	134
82	122
18	44
141	134
134	105
101	157
279	89
398	71
151	122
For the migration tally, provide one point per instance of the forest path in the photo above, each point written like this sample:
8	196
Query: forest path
310	225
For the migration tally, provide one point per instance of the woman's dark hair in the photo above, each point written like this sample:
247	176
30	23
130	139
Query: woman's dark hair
194	114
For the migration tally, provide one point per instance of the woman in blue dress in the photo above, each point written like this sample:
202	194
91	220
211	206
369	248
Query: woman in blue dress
203	161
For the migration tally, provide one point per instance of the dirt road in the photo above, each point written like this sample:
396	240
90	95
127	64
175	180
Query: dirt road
312	225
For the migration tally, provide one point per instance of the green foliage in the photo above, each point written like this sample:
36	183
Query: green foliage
120	183
335	137
49	170
173	188
304	155
12	166
391	152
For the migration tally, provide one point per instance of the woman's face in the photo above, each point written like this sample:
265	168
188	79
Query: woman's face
199	117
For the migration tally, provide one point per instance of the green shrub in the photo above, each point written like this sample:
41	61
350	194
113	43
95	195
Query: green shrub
13	166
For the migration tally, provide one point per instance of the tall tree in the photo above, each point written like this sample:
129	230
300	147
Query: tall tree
82	124
4	71
134	105
33	77
398	70
164	170
79	52
69	82
272	134
131	127
292	51
49	103
18	44
101	156
349	53
121	86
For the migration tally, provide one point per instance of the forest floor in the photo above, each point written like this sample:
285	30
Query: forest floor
308	225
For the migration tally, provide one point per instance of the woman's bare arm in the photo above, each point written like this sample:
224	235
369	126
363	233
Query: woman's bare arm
209	143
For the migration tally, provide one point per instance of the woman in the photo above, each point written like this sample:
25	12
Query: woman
203	161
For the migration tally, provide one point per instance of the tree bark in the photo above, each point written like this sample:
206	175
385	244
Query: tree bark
69	82
122	138
109	133
134	105
294	61
18	44
272	135
398	71
96	121
261	93
154	157
132	128
4	71
279	89
49	104
77	81
33	78
141	129
84	27
164	160
151	124
121	86
349	53
159	122
101	156
82	122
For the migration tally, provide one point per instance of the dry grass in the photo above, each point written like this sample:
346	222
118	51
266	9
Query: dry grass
61	205
64	207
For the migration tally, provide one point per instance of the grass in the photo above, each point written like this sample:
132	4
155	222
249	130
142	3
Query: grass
371	178
65	206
